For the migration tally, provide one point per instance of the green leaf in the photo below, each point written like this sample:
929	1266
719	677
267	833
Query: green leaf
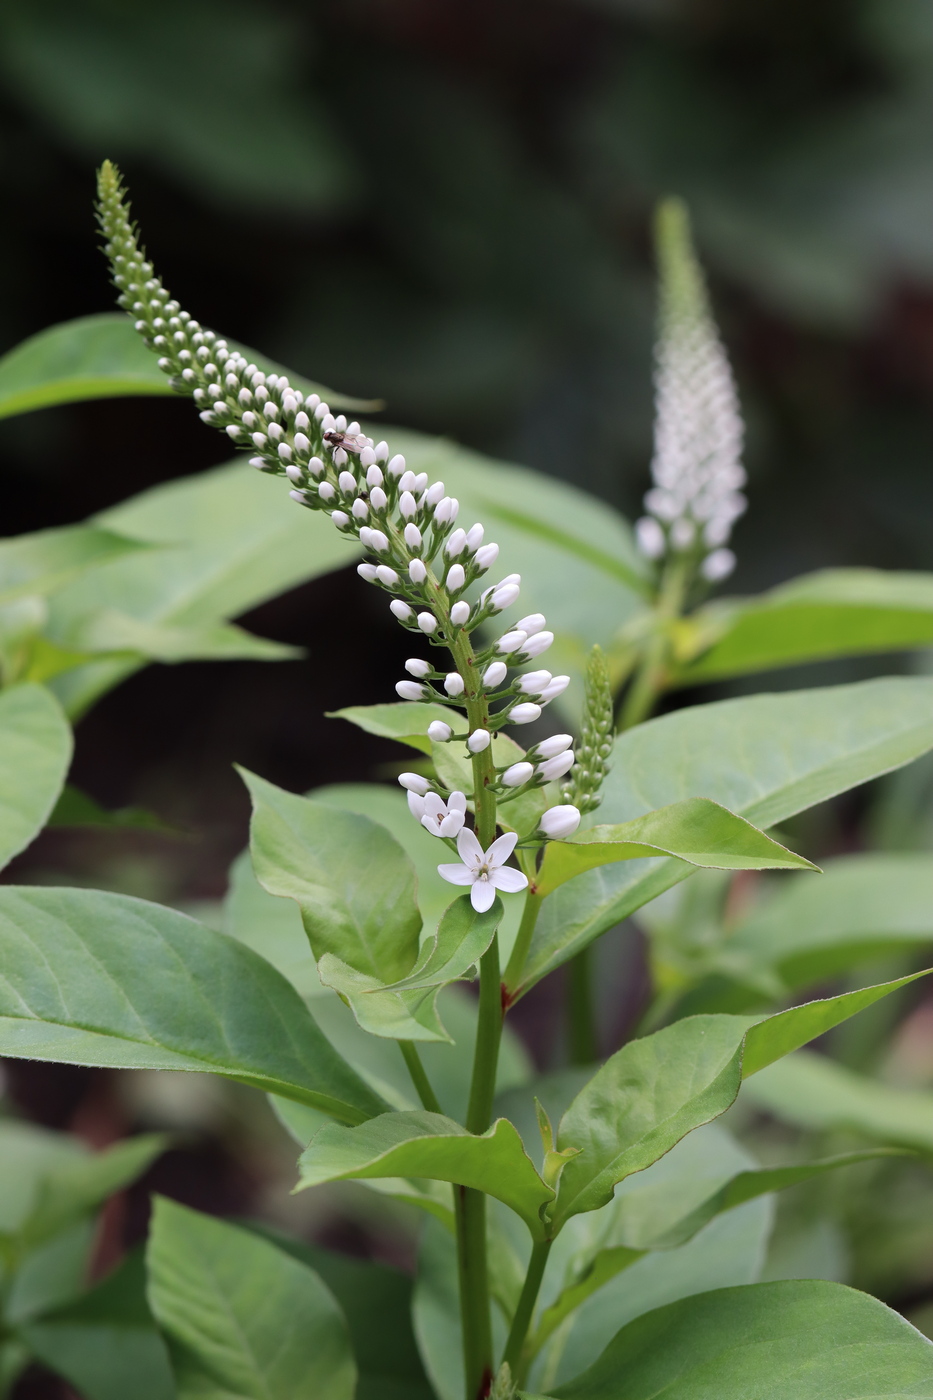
764	757
35	753
653	1091
698	831
462	937
79	1184
407	721
811	930
102	357
814	1092
106	1343
75	808
231	539
836	612
48	559
113	631
317	855
93	978
242	1317
422	1144
800	1340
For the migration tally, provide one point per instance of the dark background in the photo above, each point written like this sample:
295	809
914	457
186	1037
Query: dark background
448	205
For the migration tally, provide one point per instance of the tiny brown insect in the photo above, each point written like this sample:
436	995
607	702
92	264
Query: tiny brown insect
350	442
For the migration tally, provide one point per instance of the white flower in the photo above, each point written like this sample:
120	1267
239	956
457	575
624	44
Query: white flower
558	822
485	871
524	713
439	817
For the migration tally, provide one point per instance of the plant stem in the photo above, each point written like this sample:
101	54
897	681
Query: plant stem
526	928
581	1016
650	679
525	1310
488	1036
419	1076
470	1212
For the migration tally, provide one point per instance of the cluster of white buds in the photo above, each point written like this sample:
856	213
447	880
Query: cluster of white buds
697	469
407	524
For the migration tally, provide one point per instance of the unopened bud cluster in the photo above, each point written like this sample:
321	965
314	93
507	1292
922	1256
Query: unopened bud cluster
598	732
418	553
697	469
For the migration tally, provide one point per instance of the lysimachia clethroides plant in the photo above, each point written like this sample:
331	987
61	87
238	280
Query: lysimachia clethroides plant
514	829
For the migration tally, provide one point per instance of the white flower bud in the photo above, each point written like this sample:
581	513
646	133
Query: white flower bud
377	498
367	458
474	537
535	682
460	613
340	457
421	481
537	644
360	509
518	773
416	667
233	430
412	536
367	571
386	575
302	422
340	519
366	536
504	596
486	556
417	571
410	690
550	748
439	732
415	805
374	476
400	610
524	713
274	431
315	466
479	740
455	544
718	565
258	462
494	674
298	496
510	641
407	505
301	443
427	622
271	410
320	413
434	494
532	623
556	687
397	464
683	533
381	450
453	683
326	491
456	578
346	481
294	473
442	511
407	481
378	541
558	822
556	767
414	782
259	439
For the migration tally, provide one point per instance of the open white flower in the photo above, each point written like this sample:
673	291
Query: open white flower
486	871
437	816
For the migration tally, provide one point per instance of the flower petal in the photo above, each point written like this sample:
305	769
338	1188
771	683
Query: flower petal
434	805
456	802
501	849
452	824
415	805
456	874
505	878
431	824
482	895
471	852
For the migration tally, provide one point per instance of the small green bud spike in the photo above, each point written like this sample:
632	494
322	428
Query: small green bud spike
598	732
503	1387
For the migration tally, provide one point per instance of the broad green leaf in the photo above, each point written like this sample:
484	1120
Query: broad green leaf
811	930
42	562
106	1343
462	937
696	830
102	979
795	1340
100	357
653	1091
76	808
242	1317
422	1144
29	1153
231	539
836	612
764	757
406	721
35	752
113	631
319	856
53	1274
816	1093
78	1184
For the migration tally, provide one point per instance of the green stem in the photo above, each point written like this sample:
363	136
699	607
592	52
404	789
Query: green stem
475	1319
650	679
525	1310
488	1036
516	963
581	1015
419	1076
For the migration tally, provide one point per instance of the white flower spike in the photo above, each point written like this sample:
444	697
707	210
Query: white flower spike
484	871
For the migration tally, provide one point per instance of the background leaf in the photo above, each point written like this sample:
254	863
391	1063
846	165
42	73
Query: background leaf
406	721
242	1317
35	753
41	562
